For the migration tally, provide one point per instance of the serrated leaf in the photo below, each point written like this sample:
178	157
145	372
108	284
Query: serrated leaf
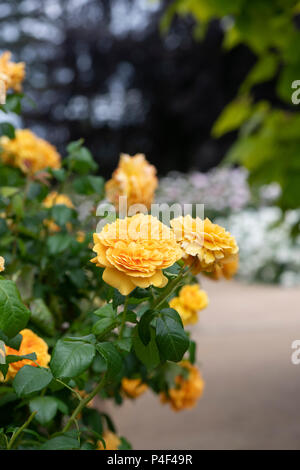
71	358
31	379
63	442
103	326
46	408
148	355
106	311
42	317
172	341
112	358
144	326
13	313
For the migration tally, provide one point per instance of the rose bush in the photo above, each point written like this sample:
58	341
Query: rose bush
72	330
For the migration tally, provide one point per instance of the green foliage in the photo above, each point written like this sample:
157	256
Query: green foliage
267	142
94	335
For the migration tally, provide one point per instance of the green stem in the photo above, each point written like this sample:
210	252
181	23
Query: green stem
124	317
170	289
83	403
70	388
20	430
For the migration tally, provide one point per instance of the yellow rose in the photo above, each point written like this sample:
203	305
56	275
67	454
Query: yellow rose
55	199
2	264
31	343
187	391
80	236
134	251
112	441
191	299
134	178
29	152
227	270
205	245
133	388
11	73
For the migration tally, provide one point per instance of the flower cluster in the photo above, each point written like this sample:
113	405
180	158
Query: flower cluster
191	299
29	152
73	328
187	389
134	251
134	178
11	74
211	189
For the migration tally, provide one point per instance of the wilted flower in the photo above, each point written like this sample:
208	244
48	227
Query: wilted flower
191	299
31	343
133	388
204	244
134	178
12	74
112	441
29	152
187	390
134	251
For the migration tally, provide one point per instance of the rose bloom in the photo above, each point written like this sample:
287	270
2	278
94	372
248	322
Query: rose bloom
187	391
134	178
2	263
31	343
29	152
133	388
205	245
112	441
134	251
191	299
226	270
11	73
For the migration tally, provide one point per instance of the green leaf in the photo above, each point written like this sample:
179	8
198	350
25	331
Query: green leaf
89	185
14	342
42	317
71	358
92	418
233	115
103	326
80	159
58	243
46	408
31	379
63	442
61	214
13	358
172	341
124	344
112	358
106	311
61	406
7	129
148	355
14	315
8	191
144	326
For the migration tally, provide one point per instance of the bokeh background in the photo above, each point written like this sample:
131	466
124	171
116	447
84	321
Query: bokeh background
205	89
104	70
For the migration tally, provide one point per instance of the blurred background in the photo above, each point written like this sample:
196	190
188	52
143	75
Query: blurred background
207	89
